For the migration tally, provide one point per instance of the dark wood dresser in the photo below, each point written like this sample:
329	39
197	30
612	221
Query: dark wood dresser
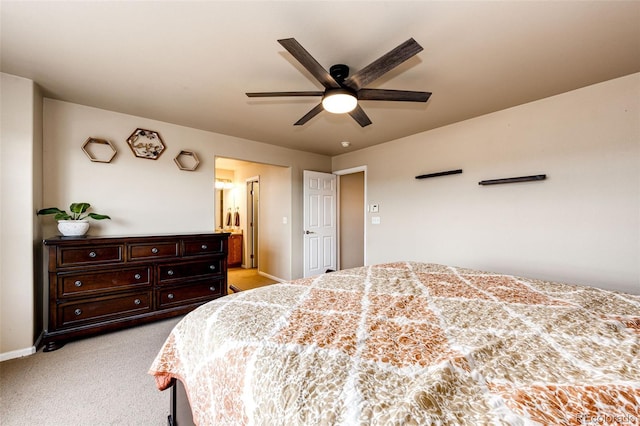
98	284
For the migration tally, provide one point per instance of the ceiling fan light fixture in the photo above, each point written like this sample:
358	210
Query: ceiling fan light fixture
339	101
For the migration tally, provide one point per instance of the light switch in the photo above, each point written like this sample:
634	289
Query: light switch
374	208
285	220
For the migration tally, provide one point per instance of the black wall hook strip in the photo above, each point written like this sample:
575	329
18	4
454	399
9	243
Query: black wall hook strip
512	180
430	175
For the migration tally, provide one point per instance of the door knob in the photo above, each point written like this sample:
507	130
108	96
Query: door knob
309	232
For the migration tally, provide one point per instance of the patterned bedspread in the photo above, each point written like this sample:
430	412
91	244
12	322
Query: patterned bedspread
410	344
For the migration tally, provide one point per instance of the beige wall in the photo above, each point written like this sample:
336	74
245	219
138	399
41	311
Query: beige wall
20	168
153	196
581	225
142	196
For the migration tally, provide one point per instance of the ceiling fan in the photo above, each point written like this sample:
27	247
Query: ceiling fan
342	92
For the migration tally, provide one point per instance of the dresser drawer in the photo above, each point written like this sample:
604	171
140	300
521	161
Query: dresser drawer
71	256
170	272
81	284
103	308
203	246
192	293
145	251
102	283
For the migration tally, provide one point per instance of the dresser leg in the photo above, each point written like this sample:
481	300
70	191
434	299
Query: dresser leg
52	346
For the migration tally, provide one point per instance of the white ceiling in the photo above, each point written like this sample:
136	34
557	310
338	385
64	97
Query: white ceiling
190	63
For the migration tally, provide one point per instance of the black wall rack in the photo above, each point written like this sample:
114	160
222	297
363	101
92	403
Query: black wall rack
448	172
512	180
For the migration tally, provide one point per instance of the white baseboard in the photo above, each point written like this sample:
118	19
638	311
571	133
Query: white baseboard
17	353
280	280
22	352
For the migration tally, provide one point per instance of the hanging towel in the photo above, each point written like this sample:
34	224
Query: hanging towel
229	218
237	217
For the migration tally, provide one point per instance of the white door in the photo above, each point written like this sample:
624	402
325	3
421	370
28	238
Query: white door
253	210
320	227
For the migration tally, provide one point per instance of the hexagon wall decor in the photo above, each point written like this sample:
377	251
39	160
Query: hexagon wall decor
187	160
146	144
99	150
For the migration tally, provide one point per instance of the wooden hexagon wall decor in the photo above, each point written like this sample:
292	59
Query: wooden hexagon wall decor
99	150
187	160
146	144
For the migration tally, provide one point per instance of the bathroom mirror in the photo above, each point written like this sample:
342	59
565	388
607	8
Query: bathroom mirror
228	214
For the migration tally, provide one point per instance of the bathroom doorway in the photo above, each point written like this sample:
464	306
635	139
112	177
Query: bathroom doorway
261	195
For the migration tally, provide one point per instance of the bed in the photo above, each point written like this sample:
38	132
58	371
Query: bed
409	343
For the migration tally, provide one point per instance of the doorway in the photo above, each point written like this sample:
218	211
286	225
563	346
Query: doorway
351	219
347	213
268	209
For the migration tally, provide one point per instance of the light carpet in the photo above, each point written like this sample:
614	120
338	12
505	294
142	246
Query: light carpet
100	380
96	381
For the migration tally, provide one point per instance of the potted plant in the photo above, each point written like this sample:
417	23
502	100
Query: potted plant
75	223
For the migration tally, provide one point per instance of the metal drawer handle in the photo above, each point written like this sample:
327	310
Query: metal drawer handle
170	296
212	288
154	250
92	254
204	247
137	301
170	272
137	276
78	283
212	267
78	312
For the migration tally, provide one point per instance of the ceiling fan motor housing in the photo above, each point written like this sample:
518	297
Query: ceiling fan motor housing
339	72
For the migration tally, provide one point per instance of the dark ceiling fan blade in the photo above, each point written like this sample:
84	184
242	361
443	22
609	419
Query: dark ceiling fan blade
277	94
307	61
359	115
392	95
308	116
383	64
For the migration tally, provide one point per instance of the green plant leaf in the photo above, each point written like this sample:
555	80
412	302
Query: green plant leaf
77	212
97	216
50	210
79	208
62	215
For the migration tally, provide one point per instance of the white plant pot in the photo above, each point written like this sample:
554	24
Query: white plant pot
73	228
